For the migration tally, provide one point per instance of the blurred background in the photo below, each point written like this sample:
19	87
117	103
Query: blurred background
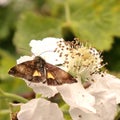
94	22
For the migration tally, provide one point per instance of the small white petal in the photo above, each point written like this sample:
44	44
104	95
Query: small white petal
105	110
76	96
40	109
24	59
43	89
46	49
45	45
52	58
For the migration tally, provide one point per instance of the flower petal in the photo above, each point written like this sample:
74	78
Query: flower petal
40	109
46	49
105	83
45	90
76	96
105	110
24	59
41	46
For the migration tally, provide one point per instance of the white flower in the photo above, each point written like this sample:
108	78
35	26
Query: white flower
40	109
96	101
73	94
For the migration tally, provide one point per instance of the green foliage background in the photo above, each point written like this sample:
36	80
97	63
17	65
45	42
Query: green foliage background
95	22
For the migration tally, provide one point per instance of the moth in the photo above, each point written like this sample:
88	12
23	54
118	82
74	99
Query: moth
38	70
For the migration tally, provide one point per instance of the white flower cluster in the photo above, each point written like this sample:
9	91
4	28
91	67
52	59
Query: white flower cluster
96	102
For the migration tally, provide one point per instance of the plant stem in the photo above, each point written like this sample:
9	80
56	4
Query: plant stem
13	96
37	96
67	11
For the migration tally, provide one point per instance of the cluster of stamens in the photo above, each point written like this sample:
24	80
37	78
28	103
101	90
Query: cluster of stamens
79	61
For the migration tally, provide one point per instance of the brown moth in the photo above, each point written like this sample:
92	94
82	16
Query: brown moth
38	70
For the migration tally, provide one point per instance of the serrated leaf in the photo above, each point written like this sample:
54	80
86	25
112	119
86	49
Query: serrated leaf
33	26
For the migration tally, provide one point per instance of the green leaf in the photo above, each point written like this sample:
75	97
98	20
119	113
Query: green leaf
92	21
7	21
6	61
96	21
33	26
7	82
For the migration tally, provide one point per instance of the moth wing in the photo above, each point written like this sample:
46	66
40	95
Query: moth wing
23	70
58	76
27	70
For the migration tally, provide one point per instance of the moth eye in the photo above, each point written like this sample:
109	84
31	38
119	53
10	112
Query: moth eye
36	73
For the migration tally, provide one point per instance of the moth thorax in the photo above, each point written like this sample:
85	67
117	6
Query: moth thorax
39	62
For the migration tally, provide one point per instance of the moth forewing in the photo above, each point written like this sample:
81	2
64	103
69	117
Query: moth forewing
60	75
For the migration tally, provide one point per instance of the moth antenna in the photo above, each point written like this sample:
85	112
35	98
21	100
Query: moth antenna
46	51
42	53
